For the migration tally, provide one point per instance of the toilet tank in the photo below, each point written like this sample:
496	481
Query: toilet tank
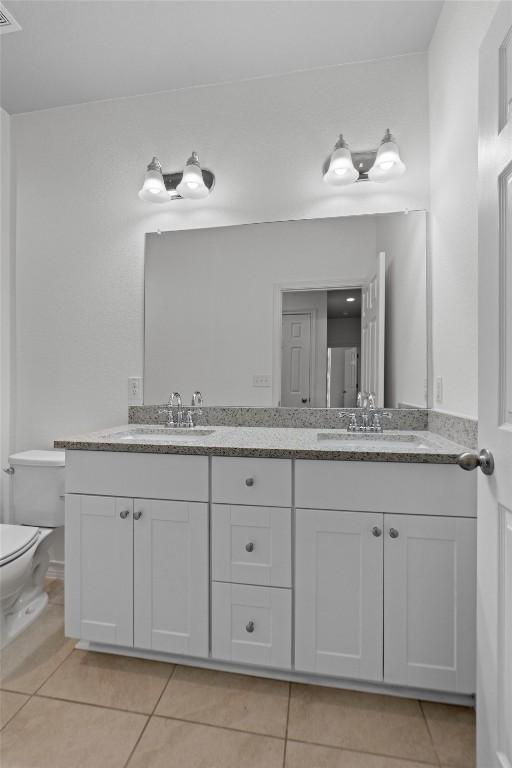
38	488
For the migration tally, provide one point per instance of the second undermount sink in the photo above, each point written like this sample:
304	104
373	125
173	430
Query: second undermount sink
159	435
370	439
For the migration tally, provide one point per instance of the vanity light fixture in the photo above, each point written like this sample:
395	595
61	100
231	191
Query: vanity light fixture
344	167
193	182
350	298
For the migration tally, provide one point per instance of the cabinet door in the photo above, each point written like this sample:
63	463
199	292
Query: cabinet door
171	576
99	569
429	598
339	593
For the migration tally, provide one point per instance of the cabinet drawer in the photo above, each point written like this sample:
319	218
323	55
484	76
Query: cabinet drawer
252	625
140	475
265	482
418	489
251	545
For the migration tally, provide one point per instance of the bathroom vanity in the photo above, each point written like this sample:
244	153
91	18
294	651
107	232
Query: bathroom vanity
301	554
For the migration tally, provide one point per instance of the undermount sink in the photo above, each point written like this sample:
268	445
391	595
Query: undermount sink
369	439
158	435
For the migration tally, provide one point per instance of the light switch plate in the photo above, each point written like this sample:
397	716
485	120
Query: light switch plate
135	390
262	381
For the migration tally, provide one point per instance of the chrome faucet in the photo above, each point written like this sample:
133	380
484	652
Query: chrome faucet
371	417
174	398
195	409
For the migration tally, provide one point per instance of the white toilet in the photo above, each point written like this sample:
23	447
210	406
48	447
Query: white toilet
37	485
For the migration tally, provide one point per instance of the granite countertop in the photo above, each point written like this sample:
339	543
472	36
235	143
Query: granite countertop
266	442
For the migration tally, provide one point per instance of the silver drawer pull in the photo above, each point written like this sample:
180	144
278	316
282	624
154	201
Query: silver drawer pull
249	627
393	533
137	515
249	481
249	547
377	531
124	514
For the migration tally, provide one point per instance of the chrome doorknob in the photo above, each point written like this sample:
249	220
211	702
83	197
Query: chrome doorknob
393	533
137	515
249	627
470	460
249	481
377	531
249	547
124	514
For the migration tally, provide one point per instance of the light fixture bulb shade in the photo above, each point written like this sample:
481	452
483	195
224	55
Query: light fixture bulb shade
153	189
341	171
192	183
388	164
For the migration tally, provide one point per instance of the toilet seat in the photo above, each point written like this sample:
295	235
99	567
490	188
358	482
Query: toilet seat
15	540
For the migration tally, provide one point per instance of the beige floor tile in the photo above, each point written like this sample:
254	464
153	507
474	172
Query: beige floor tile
364	722
174	744
55	734
36	653
312	756
453	733
221	698
9	705
109	681
55	590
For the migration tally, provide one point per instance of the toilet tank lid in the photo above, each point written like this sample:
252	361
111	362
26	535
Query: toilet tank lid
38	459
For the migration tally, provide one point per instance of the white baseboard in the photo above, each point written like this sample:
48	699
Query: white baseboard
56	570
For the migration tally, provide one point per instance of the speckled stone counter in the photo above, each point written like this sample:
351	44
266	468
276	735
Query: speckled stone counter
265	442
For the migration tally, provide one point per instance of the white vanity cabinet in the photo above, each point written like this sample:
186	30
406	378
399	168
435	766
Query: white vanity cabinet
382	596
137	569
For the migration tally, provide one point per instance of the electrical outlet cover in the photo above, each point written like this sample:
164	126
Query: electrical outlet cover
135	390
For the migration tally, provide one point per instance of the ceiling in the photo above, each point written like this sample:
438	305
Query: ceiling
339	308
75	51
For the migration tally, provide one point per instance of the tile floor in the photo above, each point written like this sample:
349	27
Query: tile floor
63	708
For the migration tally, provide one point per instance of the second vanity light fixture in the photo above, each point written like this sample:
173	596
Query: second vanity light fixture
194	182
344	167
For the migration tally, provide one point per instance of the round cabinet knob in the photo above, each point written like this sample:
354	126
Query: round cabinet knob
249	627
249	481
124	514
249	547
137	515
393	533
377	531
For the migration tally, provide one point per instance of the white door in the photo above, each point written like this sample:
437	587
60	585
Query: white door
99	569
171	580
339	593
373	296
296	361
350	388
494	634
430	602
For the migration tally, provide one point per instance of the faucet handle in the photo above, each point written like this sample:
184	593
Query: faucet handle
197	401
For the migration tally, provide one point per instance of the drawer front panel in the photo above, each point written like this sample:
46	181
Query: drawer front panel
140	475
265	482
418	489
251	545
252	625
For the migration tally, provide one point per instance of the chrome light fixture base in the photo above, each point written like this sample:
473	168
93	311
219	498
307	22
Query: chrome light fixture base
363	161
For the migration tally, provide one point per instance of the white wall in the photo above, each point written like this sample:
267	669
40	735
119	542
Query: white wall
81	227
6	306
453	95
404	240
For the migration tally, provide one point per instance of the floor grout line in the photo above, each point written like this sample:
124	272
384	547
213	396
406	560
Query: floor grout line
287	723
417	760
141	734
29	696
422	708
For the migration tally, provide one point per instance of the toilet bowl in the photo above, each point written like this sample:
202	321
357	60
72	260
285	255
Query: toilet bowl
37	479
